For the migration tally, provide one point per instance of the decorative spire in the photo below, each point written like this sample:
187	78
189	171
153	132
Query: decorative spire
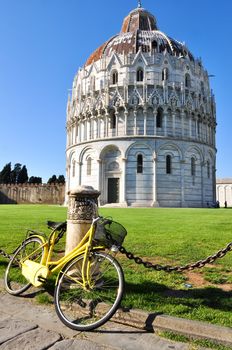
139	4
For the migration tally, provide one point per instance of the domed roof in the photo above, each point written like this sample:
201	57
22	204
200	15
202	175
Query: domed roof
139	19
139	32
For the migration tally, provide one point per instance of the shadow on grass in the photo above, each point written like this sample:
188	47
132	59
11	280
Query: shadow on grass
157	294
4	263
47	289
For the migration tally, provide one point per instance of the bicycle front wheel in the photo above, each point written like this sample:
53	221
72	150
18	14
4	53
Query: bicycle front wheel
15	282
86	308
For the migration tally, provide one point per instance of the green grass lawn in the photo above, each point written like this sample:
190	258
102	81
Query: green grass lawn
167	236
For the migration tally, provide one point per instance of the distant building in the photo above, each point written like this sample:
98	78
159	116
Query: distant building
224	192
141	121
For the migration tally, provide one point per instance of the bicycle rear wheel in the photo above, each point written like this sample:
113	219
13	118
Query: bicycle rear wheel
15	282
87	308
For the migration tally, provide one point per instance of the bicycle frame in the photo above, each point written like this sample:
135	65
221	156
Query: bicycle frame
83	247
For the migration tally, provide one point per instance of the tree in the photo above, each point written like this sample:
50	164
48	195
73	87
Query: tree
52	180
61	179
15	173
5	174
35	180
22	176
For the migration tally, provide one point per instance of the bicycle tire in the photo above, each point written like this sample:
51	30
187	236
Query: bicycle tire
86	309
15	282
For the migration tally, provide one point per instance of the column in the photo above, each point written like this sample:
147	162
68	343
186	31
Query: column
155	114
76	126
135	122
80	214
182	165
84	133
104	125
79	172
155	203
90	128
202	185
68	169
199	130
79	131
165	122
123	184
145	123
116	126
190	126
225	187
196	127
107	125
98	177
173	123
68	137
182	115
125	122
98	127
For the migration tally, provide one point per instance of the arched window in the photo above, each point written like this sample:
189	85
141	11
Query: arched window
208	170
115	77
89	166
168	164
159	118
154	45
140	74
113	121
193	166
164	74
139	164
187	81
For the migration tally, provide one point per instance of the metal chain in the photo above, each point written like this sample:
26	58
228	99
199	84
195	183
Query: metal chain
167	268
4	254
157	267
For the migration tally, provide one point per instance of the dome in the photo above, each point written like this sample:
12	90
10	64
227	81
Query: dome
139	19
141	121
139	32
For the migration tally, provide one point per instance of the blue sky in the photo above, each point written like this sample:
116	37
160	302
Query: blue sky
44	42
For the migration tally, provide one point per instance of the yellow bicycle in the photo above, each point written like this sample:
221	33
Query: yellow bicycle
90	281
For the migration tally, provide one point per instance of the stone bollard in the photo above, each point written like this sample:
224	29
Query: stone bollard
80	214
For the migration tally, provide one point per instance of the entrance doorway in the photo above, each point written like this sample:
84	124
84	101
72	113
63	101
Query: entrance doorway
113	190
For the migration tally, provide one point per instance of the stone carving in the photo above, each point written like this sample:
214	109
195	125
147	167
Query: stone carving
80	207
113	166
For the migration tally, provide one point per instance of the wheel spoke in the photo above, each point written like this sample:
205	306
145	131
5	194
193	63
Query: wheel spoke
87	308
15	282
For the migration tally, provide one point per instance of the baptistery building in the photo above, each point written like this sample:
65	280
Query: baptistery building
141	121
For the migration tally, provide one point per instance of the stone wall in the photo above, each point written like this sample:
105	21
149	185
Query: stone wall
31	193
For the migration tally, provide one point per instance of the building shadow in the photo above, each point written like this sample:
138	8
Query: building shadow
212	297
5	199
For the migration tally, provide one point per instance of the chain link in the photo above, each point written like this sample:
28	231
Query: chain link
167	268
4	254
157	267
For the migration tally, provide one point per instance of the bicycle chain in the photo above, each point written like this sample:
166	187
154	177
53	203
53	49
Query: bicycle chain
167	268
